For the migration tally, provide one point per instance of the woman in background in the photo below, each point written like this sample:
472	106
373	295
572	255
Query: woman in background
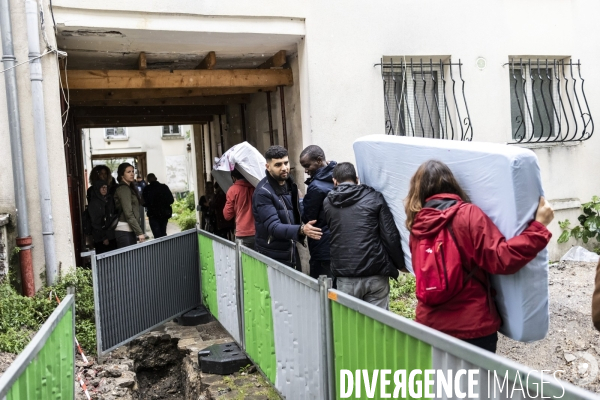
101	208
128	230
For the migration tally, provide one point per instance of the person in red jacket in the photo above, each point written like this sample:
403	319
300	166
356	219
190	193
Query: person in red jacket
435	200
239	206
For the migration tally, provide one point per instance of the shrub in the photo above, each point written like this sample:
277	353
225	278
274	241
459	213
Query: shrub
402	296
589	224
21	317
184	212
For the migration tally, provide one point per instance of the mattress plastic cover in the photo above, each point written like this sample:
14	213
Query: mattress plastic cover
243	157
504	181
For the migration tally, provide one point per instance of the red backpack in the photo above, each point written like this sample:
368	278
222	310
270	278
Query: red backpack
438	267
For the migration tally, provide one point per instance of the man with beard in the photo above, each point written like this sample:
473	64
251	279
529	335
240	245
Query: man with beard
276	209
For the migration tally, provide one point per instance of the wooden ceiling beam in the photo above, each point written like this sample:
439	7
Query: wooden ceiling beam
109	122
278	60
145	111
172	101
160	79
140	94
208	62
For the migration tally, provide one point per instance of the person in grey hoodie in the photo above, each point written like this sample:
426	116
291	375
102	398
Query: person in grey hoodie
365	242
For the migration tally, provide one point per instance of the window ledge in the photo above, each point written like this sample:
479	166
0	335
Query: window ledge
565	204
546	145
115	139
169	137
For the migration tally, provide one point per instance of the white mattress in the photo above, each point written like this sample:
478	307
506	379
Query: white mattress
504	181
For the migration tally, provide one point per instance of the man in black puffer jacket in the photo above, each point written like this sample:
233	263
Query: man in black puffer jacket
365	242
276	209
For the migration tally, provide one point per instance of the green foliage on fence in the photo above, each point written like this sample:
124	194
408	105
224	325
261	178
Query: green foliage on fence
21	317
402	296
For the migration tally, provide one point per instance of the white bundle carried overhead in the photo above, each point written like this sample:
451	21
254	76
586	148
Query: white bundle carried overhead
243	157
504	181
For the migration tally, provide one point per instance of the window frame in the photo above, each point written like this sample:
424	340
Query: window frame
108	137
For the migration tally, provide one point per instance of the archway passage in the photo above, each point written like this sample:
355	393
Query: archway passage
225	101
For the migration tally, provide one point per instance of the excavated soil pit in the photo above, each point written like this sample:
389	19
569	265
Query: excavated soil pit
158	365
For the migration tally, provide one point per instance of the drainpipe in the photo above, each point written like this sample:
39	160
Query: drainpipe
16	150
41	145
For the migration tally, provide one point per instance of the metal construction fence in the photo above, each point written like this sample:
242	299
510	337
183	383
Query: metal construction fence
314	342
46	368
140	287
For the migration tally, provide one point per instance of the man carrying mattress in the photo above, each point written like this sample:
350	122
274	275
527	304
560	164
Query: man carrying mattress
365	242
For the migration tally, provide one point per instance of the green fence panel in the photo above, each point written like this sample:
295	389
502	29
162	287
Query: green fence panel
208	275
360	342
258	316
50	374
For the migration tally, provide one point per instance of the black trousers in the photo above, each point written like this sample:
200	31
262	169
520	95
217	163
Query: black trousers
158	226
318	268
103	248
488	342
125	239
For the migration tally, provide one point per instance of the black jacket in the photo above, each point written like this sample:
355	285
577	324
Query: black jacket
157	200
317	189
364	238
276	212
100	207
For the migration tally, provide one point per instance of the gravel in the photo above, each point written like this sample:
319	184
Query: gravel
572	343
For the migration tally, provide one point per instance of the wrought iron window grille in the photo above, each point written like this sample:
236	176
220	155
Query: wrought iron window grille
421	100
548	103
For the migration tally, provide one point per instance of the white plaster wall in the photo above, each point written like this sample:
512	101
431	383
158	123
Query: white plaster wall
148	139
55	144
341	91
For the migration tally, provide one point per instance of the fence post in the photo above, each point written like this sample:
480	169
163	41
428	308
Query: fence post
92	255
327	339
240	293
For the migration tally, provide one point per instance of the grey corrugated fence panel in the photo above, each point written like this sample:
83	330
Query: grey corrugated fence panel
454	354
140	287
33	350
226	272
296	308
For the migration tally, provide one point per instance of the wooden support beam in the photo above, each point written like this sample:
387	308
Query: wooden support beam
172	101
209	61
108	122
143	94
277	60
153	111
160	79
142	65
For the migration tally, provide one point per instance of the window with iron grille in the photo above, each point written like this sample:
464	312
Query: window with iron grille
425	99
171	131
547	102
115	133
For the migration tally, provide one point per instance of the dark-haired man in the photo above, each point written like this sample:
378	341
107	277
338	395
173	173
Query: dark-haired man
157	200
365	242
276	209
239	206
318	185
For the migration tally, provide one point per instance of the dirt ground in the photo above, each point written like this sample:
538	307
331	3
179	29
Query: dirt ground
5	360
572	343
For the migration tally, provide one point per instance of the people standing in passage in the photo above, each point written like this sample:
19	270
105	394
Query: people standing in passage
101	173
127	202
436	201
276	209
101	208
140	184
157	200
223	227
318	185
204	213
239	208
365	242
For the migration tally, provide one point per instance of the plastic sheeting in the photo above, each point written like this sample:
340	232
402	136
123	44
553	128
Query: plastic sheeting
504	181
243	157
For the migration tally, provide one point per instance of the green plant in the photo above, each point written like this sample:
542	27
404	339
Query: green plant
21	317
402	296
184	212
589	224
